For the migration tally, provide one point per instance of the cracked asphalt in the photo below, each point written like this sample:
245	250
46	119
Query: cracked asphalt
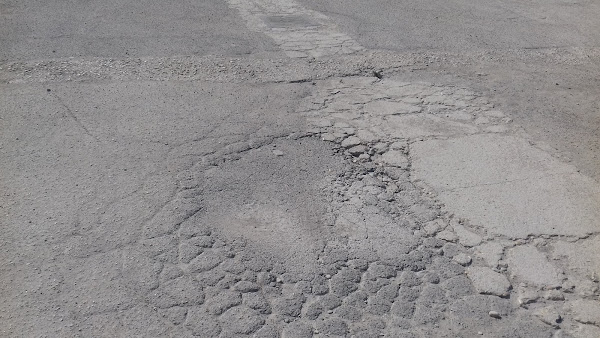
280	168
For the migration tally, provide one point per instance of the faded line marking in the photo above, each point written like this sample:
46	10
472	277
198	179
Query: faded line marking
299	32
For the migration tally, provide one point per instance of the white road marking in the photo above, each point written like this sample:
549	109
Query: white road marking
298	31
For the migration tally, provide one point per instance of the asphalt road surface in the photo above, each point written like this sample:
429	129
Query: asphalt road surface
300	168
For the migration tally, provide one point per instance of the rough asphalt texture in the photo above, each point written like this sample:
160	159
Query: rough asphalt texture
273	168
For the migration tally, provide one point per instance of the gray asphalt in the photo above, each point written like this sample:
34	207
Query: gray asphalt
57	29
280	168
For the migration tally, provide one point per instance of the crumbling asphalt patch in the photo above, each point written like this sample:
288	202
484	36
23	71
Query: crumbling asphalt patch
162	195
384	126
272	248
278	250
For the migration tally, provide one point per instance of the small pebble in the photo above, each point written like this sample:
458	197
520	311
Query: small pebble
494	314
277	152
462	259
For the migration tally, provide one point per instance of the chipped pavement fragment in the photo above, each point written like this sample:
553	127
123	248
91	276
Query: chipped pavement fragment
489	282
527	264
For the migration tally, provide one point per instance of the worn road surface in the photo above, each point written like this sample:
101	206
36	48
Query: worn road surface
300	168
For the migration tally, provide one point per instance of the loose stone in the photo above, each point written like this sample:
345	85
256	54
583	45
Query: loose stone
433	227
447	236
357	150
364	157
462	259
380	147
350	142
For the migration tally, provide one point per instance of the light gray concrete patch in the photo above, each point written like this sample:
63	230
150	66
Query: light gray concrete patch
585	331
586	311
508	186
491	252
527	264
395	158
414	126
581	257
465	237
390	108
